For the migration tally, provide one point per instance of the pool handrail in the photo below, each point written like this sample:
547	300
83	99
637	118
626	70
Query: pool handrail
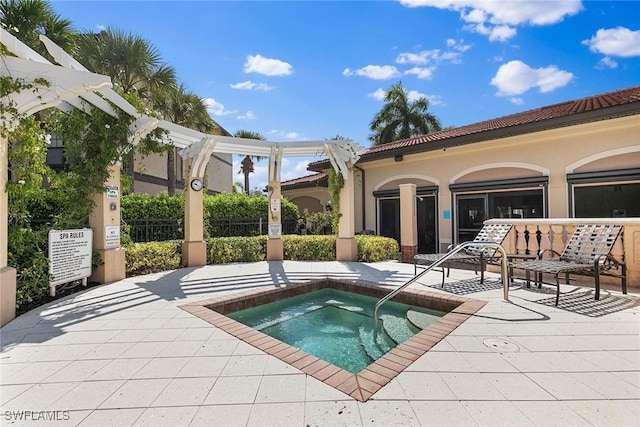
503	270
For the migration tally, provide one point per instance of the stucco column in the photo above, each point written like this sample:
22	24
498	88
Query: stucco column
105	222
194	248
275	247
7	274
408	222
346	245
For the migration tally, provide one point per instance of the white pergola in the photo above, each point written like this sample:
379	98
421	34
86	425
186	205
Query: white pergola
71	86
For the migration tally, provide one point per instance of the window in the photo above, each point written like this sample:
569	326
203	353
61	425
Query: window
605	194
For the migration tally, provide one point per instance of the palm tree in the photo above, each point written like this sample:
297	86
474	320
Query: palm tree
133	63
246	166
401	118
182	107
27	19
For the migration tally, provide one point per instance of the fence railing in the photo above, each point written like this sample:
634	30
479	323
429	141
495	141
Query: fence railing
156	230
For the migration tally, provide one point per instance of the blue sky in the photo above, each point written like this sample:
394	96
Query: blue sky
310	70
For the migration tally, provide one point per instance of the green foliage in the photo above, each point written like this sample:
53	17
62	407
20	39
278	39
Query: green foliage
242	206
138	206
26	253
336	182
309	248
376	248
223	250
151	257
316	222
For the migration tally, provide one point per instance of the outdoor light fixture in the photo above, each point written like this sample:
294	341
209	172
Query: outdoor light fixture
398	158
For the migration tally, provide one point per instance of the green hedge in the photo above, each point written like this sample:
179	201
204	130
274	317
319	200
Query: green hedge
223	250
143	258
151	257
309	248
376	248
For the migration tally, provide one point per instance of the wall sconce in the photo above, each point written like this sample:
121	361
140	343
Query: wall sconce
398	158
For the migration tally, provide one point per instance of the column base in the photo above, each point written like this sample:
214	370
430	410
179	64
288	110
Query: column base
7	295
113	266
407	253
275	250
346	249
194	254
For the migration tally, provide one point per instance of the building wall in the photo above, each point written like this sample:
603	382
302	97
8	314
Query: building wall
604	145
151	173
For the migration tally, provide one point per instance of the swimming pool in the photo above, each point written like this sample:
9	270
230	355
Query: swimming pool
338	326
363	384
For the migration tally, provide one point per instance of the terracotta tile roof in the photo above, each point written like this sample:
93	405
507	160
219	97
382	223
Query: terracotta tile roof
598	107
306	181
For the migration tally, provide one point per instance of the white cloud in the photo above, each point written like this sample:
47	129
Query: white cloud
216	108
516	101
421	73
294	136
435	100
374	72
267	66
607	62
247	116
412	95
617	41
249	85
101	27
516	77
497	19
378	95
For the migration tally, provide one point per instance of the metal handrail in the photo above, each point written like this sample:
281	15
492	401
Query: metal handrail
445	257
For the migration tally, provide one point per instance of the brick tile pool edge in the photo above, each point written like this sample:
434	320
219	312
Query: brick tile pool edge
362	385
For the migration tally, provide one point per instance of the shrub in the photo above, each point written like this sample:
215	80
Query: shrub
309	248
26	253
242	206
138	206
223	250
151	257
376	248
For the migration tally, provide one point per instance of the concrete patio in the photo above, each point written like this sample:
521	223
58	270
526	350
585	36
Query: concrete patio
126	354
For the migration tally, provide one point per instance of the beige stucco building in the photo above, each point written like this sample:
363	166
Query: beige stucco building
577	159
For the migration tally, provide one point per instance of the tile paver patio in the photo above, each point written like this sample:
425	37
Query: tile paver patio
126	354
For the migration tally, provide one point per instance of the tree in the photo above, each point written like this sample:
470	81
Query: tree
182	107
27	19
133	63
246	166
401	118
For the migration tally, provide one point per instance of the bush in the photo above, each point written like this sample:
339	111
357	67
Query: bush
376	248
152	257
26	253
242	206
139	206
223	250
309	248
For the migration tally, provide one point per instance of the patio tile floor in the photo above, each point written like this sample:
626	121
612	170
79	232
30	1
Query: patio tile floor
126	354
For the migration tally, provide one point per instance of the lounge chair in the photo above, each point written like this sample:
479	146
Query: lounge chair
479	255
588	252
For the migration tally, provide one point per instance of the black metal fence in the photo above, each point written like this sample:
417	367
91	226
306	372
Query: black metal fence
156	230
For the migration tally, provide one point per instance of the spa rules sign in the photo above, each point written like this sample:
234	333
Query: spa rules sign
70	255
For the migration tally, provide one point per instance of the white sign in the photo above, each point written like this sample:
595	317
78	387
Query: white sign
111	235
70	253
112	192
275	230
275	205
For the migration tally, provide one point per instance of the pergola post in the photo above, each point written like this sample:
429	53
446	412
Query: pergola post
7	274
194	248
275	246
346	245
105	222
408	222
